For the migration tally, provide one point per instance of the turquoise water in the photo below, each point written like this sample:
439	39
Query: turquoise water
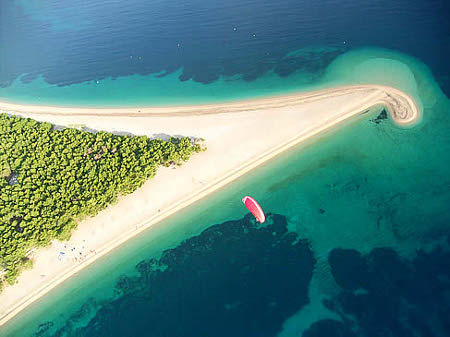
107	53
357	237
368	196
369	66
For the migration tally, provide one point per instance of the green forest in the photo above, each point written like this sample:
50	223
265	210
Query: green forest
50	179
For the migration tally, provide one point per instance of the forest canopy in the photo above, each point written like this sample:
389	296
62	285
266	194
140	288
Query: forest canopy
51	179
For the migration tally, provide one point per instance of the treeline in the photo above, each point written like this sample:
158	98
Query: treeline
51	179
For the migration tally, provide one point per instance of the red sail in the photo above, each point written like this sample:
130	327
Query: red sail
254	208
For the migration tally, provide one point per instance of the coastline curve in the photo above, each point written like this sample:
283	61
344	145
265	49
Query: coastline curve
403	110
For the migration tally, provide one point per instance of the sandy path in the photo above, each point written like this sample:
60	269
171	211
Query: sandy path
239	136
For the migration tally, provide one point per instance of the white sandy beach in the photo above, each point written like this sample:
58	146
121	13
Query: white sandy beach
239	136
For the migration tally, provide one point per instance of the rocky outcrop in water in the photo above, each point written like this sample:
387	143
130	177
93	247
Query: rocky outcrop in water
381	117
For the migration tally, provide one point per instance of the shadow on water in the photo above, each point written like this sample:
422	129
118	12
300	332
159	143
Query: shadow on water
237	278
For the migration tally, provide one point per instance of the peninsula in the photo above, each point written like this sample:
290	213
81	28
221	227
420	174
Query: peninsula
239	136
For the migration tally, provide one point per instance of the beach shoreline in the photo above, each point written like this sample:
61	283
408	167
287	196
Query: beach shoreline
269	126
235	106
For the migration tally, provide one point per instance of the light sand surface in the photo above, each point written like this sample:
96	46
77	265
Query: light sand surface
239	136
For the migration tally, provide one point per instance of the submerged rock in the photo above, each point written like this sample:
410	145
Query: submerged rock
328	328
387	295
382	116
237	278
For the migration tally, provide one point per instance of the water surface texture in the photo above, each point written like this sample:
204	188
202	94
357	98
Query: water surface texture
357	240
106	52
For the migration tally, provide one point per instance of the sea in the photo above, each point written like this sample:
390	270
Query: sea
357	237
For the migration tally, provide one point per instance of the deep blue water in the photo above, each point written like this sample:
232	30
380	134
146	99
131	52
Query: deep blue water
357	238
73	42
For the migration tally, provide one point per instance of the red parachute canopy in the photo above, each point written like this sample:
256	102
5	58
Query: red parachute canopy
254	208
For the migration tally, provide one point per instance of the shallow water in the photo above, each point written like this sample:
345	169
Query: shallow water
165	52
357	240
366	185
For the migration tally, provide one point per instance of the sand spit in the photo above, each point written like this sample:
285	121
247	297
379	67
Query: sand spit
239	135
